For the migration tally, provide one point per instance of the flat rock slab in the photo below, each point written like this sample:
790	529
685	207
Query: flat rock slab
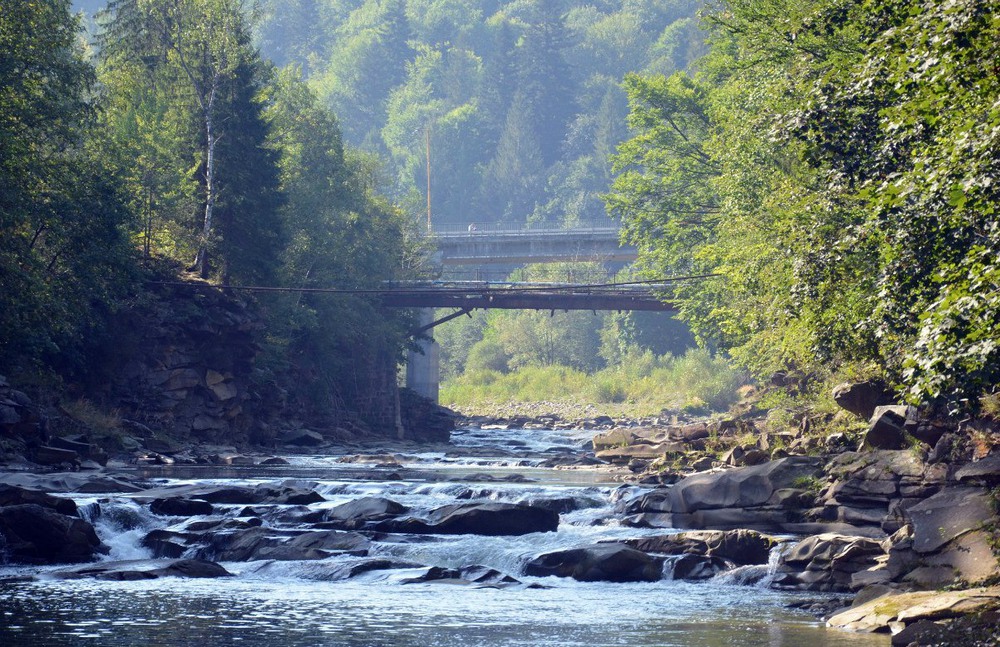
986	470
947	515
912	607
70	482
147	569
275	493
640	451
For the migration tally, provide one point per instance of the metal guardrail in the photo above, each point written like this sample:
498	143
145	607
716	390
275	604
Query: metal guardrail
487	228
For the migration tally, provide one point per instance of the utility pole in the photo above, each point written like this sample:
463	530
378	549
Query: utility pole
427	146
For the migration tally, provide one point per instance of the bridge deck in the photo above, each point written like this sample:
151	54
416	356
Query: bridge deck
560	297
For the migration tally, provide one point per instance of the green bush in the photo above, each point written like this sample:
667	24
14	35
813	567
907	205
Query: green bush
696	381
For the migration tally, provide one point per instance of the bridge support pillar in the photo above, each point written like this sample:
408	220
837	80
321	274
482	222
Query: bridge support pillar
422	366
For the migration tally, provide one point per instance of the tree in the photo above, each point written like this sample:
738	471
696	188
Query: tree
367	61
847	152
339	348
64	254
189	63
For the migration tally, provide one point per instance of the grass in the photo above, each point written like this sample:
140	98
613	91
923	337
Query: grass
98	421
643	383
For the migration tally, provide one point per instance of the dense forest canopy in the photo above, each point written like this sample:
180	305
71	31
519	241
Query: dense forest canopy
169	140
520	101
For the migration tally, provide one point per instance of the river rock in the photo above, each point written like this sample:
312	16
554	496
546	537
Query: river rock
275	493
491	519
741	487
826	562
122	571
985	471
33	534
743	547
887	429
948	514
13	495
921	632
348	568
622	455
70	482
599	563
861	398
180	507
470	575
267	543
696	567
357	514
743	497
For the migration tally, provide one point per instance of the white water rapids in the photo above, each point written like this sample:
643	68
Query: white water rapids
288	603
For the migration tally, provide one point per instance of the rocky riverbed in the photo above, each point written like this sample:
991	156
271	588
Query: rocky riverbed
875	525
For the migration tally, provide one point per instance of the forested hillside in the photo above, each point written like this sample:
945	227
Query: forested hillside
163	142
519	102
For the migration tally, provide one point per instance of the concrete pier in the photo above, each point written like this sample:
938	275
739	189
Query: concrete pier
422	367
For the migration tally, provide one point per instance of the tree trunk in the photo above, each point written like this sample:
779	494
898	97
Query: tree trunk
201	264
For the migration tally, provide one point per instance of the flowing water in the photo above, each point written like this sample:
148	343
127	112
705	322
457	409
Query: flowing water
299	602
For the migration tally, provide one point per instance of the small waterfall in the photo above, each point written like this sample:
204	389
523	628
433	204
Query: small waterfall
668	567
759	575
121	524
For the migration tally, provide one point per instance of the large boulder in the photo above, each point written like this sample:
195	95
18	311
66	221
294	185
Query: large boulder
745	497
492	519
741	487
743	547
696	567
826	562
357	514
861	398
180	507
887	429
599	563
32	534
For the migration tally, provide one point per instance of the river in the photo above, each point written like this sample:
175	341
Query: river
286	603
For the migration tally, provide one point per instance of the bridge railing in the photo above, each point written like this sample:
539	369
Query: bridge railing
474	228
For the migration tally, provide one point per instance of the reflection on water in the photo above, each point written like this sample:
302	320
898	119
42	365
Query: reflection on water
290	604
286	613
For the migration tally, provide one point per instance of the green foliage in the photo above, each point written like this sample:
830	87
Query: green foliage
183	86
337	347
520	98
833	164
64	255
694	380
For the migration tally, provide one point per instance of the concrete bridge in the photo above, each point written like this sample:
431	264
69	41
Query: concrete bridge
490	244
493	244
